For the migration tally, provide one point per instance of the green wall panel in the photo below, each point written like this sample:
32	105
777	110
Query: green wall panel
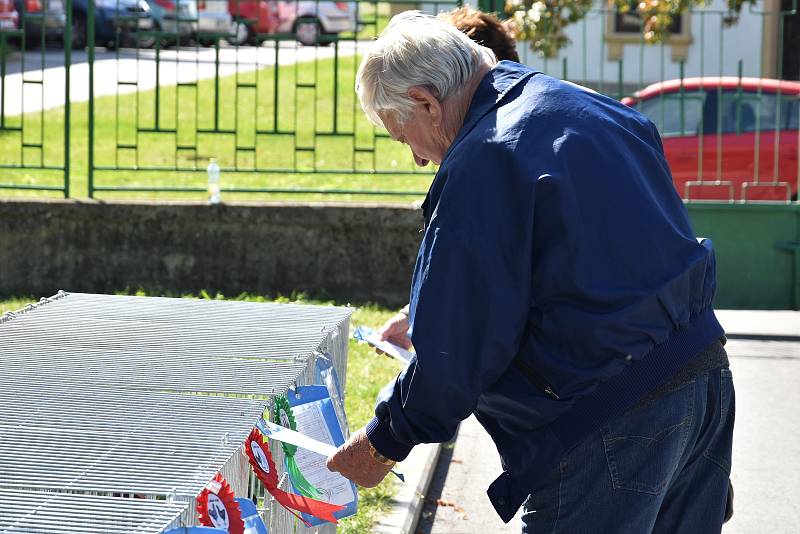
758	253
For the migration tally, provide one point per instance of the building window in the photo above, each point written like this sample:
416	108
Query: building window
626	28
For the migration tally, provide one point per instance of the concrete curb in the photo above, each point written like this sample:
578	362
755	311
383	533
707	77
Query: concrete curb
761	324
418	469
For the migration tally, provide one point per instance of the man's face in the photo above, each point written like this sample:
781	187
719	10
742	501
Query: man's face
418	132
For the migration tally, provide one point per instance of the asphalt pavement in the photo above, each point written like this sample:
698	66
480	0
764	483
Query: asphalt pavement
764	351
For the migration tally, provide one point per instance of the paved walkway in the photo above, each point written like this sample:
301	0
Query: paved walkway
766	455
184	65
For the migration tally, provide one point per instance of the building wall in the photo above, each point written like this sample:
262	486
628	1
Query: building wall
715	50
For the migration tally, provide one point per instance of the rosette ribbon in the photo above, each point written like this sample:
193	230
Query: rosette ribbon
217	507
261	461
283	416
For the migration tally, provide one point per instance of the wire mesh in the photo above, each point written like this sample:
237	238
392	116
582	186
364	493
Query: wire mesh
41	512
146	398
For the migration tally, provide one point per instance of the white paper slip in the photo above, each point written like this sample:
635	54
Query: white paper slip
389	348
271	430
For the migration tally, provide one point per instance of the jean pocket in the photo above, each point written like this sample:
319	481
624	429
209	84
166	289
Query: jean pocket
645	445
719	443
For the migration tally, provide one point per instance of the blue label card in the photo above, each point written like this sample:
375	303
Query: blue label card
325	374
253	524
316	418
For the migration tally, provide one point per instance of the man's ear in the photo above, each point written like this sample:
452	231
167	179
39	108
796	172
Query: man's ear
424	97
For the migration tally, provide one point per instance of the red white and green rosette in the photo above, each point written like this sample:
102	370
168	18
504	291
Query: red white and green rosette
217	507
257	451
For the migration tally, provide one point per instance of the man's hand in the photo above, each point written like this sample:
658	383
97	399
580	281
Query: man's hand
354	462
395	330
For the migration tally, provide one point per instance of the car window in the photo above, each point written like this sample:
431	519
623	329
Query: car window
790	112
746	111
667	110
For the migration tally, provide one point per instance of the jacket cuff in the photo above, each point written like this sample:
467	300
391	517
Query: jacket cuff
380	436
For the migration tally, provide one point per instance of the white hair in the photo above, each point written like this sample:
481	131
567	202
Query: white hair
416	50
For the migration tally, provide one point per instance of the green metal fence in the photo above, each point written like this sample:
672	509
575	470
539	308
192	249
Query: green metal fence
278	117
34	144
282	118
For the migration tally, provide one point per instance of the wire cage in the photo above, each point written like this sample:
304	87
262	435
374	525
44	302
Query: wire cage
116	411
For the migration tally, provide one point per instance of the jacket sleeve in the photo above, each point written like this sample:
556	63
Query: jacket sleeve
469	303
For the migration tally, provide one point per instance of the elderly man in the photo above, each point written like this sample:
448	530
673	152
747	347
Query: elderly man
559	294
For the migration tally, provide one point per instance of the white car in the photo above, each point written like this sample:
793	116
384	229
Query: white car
311	21
213	20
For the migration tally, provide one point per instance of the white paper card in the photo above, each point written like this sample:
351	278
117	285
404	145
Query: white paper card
389	348
280	433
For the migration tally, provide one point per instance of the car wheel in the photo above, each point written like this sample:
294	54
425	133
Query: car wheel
145	39
163	41
78	31
240	33
307	31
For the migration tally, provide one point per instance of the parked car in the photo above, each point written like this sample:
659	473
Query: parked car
128	17
744	129
213	20
9	18
178	18
316	22
312	22
38	17
252	17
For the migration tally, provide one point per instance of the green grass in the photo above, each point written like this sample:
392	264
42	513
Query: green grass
326	118
367	373
15	304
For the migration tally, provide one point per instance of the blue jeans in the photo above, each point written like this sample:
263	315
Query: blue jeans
662	467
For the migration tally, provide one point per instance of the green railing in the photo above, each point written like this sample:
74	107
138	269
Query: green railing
282	119
278	118
35	145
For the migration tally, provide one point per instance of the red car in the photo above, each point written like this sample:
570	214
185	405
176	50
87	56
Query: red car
744	129
251	17
9	17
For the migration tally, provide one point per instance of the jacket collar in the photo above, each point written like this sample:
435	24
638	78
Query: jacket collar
493	87
491	90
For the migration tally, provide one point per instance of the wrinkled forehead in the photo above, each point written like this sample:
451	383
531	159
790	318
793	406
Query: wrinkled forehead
391	122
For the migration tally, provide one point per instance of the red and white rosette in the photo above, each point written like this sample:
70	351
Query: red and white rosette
217	507
257	450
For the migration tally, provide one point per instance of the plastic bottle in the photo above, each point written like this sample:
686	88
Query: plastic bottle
213	182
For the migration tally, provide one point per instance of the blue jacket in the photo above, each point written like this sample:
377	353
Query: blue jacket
558	279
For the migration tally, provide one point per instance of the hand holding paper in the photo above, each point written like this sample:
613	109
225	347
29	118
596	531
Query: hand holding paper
354	461
395	330
279	433
373	338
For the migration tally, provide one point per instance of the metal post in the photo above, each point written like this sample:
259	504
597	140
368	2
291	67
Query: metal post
67	104
3	45
216	83
90	43
335	86
276	69
682	97
158	83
